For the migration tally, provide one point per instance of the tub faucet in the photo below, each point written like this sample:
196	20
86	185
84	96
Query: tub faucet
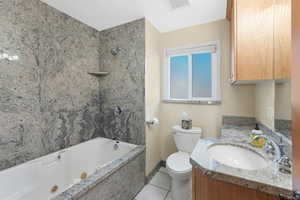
116	145
59	154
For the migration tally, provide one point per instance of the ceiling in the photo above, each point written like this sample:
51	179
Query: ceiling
103	14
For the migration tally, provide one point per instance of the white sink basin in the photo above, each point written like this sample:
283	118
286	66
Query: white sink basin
237	156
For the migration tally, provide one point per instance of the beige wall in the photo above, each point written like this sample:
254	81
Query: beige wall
237	100
272	100
152	91
283	107
243	100
265	103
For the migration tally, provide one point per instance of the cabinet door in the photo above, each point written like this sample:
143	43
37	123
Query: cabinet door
282	38
254	35
233	40
206	188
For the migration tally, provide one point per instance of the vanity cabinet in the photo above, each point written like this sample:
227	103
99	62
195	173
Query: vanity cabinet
260	40
206	188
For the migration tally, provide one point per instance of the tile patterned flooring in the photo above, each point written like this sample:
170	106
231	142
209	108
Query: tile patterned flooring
158	188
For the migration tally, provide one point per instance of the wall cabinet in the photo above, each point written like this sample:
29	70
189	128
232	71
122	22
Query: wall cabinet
261	40
282	39
206	188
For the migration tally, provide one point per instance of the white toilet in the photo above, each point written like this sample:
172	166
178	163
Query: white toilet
178	164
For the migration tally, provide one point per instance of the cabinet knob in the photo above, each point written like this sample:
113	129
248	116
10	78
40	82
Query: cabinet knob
296	196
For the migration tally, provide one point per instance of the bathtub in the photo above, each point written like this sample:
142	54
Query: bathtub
71	172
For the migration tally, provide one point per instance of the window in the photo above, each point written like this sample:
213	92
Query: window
192	74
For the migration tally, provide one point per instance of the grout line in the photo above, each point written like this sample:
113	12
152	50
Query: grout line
157	173
159	187
167	195
168	190
163	172
154	171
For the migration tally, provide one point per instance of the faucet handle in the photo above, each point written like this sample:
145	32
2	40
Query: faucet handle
296	195
285	164
269	148
281	146
285	161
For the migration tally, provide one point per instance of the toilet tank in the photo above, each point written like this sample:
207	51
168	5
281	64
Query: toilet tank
186	140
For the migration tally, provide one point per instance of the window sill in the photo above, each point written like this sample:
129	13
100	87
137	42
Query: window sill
199	102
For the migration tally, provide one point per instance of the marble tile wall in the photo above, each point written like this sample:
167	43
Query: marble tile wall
284	127
122	93
124	184
47	100
239	121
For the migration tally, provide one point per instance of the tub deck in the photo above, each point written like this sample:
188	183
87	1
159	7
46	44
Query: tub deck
83	187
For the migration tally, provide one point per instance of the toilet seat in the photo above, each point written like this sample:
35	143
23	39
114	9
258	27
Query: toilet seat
179	165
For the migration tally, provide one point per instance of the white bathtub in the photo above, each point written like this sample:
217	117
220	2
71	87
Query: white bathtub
33	180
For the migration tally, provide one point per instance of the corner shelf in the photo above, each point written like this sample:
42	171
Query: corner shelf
98	73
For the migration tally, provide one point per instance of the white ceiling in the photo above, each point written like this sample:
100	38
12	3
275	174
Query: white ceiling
103	14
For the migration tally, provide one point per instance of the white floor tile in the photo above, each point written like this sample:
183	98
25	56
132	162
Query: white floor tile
169	196
163	170
151	192
161	180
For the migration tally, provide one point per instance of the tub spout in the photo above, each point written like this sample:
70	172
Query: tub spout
116	145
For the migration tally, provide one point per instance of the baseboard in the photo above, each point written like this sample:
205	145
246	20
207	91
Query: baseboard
163	163
148	178
155	170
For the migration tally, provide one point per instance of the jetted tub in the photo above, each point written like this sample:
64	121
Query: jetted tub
57	174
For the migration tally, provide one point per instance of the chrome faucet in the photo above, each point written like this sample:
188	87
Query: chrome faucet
271	147
296	196
284	162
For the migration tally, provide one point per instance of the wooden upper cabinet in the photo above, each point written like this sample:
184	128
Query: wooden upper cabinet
261	39
231	15
282	39
255	44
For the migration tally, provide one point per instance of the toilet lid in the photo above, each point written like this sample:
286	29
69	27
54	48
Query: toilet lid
179	162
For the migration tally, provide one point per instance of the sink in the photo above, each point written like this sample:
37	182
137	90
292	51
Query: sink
237	156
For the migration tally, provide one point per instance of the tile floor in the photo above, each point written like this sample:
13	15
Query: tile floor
158	188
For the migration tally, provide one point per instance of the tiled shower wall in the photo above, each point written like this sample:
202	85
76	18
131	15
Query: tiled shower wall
122	92
47	100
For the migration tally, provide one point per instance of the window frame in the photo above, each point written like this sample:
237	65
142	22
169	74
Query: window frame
189	51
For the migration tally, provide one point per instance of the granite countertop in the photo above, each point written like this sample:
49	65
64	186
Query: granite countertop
266	180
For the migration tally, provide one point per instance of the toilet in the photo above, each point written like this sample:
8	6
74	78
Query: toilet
178	164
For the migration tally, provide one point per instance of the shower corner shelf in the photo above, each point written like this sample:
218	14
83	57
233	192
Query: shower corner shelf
98	73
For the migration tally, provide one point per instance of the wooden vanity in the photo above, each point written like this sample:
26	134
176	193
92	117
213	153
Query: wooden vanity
217	180
206	188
